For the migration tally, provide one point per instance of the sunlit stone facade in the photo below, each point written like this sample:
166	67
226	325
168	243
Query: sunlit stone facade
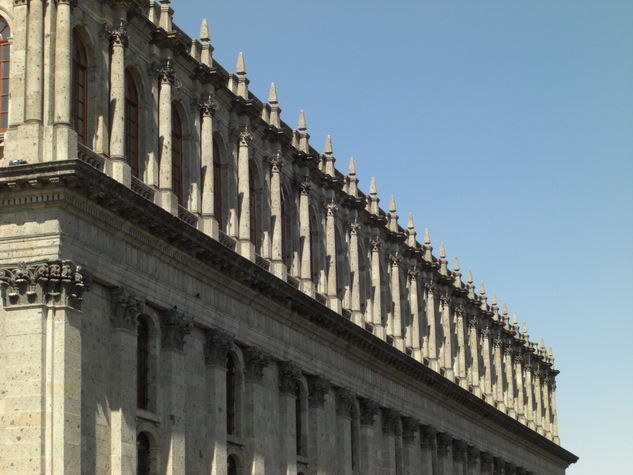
188	286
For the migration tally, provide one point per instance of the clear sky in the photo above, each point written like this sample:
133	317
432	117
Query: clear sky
506	128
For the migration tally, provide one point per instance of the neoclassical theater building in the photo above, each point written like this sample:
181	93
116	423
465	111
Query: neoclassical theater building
190	287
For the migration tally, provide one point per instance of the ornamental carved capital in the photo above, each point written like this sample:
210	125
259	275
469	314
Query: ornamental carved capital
166	73
117	36
245	137
126	309
486	461
429	285
409	429
427	436
390	419
318	387
472	322
459	450
174	325
344	402
331	208
20	3
444	443
276	163
459	310
368	411
207	106
72	3
473	456
216	347
412	273
58	282
375	244
304	186
289	376
354	227
255	361
395	259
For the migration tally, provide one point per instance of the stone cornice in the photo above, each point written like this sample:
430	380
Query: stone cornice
82	179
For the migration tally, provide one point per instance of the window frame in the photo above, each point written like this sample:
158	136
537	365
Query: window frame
79	90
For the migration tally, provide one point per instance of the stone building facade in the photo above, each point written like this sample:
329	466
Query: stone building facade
188	286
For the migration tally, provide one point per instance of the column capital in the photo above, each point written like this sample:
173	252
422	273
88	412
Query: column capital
344	402
354	227
427	436
72	3
207	106
473	455
459	450
276	163
331	208
368	411
390	418
175	325
304	186
444	443
245	137
289	375
318	387
116	35
166	72
486	461
126	309
410	426
395	259
255	361
216	347
375	244
55	282
20	3
429	285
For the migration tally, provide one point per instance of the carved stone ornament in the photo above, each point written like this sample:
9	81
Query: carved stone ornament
368	411
19	3
409	428
444	443
289	375
412	273
344	402
175	325
166	73
46	283
245	137
472	322
430	286
473	456
207	106
255	360
117	35
486	461
304	186
331	208
375	244
390	418
276	162
459	451
126	309
395	259
427	437
354	227
216	347
318	387
72	3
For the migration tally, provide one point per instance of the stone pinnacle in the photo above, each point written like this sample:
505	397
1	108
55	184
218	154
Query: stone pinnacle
470	276
494	298
328	146
351	171
410	224
302	121
427	236
442	251
241	65
482	289
505	308
372	187
524	328
392	205
272	95
205	37
456	264
515	320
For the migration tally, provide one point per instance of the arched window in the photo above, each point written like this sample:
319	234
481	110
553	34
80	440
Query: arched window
231	465
131	123
251	188
143	465
230	395
217	183
5	34
298	420
176	154
142	364
80	88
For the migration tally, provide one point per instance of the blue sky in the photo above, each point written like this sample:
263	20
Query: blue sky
506	128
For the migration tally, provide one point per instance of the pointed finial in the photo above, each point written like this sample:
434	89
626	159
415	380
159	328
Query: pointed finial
551	353
392	204
442	251
351	171
456	264
410	224
241	65
494	298
470	276
372	187
542	344
427	236
272	95
505	309
411	232
482	289
515	320
205	37
524	328
328	146
302	121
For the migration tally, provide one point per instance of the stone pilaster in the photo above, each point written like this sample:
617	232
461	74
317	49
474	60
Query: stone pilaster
529	390
318	433
216	348
413	335
278	266
18	69
428	448
395	325
547	428
121	169
209	219
486	465
247	247
168	199
519	403
126	309
368	411
473	460
289	375
344	407
379	329
446	356
34	74
307	286
411	453
459	457
460	329
41	336
354	265
431	341
332	253
538	396
554	429
175	325
485	352
509	377
445	454
498	371
255	426
473	348
390	425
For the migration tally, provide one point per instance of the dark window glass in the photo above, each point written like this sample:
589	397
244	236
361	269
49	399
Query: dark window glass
217	184
298	421
176	154
79	90
251	187
142	455
231	466
5	33
131	123
284	244
142	364
230	395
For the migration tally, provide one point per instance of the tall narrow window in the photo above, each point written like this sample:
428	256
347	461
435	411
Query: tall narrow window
80	88
314	267
284	242
142	364
231	466
217	183
5	34
251	188
176	154
230	395
131	123
298	420
142	455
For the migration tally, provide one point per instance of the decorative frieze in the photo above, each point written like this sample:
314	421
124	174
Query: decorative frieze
255	361
126	309
318	387
216	348
289	376
175	325
58	282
